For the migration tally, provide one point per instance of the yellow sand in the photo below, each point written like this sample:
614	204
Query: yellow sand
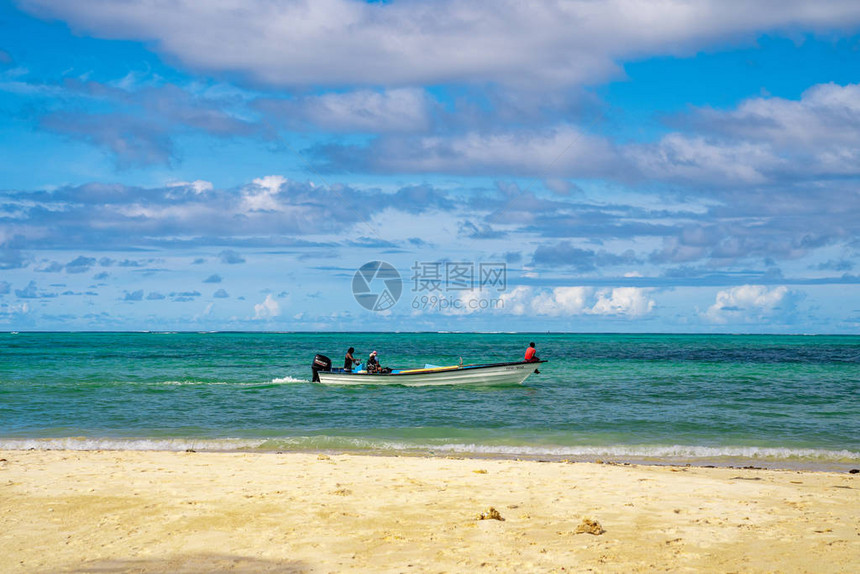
65	511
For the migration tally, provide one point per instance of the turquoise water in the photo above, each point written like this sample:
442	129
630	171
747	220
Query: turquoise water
779	401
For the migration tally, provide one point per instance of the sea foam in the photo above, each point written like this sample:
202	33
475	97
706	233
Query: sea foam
288	379
725	455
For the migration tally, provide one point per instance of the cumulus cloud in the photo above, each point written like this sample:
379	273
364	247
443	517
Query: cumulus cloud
198	186
262	194
80	264
384	50
221	294
840	265
559	301
752	304
625	301
340	42
136	125
416	199
10	311
231	257
762	141
628	302
214	278
131	263
564	254
184	296
697	159
478	231
49	267
133	141
560	151
826	115
397	110
270	211
28	292
268	309
4	287
11	256
747	226
133	295
763	225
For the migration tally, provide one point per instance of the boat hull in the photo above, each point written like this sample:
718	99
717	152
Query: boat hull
496	374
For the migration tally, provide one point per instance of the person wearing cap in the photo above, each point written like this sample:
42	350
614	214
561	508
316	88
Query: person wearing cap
372	363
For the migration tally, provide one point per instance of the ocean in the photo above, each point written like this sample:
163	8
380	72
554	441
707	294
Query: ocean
763	400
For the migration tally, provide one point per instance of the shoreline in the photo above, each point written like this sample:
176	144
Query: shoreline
84	444
151	511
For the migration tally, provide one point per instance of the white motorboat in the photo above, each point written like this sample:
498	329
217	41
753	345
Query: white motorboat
514	373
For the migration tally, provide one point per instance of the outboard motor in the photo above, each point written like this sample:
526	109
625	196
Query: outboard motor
321	363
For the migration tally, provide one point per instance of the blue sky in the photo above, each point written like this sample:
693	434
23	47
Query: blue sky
626	166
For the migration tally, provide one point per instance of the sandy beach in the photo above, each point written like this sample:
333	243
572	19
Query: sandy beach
106	511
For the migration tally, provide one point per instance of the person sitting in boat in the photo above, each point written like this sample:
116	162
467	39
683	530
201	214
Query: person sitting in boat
372	364
349	360
531	354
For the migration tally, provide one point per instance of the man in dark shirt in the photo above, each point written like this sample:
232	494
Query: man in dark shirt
349	360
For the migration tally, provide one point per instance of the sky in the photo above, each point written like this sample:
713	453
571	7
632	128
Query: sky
416	165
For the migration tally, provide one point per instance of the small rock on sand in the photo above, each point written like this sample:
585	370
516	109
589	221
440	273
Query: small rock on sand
491	514
589	526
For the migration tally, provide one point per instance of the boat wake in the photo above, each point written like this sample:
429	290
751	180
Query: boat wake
288	379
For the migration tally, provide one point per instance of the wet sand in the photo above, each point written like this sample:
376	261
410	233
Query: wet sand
129	511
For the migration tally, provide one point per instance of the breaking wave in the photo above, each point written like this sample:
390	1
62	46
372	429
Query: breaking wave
768	456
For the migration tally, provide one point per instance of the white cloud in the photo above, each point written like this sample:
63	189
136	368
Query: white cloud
198	186
397	110
20	308
270	183
631	302
262	195
627	301
761	140
679	157
750	303
825	114
561	301
341	42
517	300
207	312
559	151
268	309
